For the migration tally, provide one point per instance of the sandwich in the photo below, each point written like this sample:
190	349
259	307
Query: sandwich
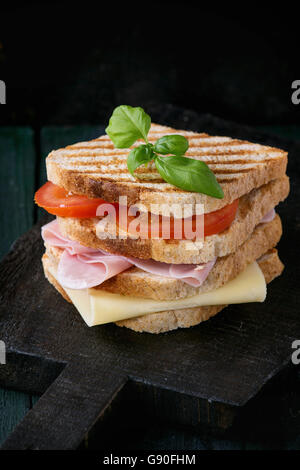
160	283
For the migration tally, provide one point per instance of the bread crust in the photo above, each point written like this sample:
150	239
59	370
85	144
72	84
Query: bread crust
46	262
138	283
271	265
184	318
252	207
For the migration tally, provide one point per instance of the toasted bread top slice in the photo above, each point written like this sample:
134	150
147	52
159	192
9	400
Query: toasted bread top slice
97	169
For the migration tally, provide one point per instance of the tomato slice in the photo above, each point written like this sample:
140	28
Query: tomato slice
58	201
151	226
218	221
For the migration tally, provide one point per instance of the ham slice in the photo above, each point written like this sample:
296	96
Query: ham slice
81	267
268	217
192	274
84	271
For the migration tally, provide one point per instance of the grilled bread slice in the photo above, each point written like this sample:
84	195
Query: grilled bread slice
98	170
138	283
270	265
252	207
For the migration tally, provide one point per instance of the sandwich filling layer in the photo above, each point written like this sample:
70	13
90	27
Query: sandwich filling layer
251	210
98	307
271	267
78	267
81	267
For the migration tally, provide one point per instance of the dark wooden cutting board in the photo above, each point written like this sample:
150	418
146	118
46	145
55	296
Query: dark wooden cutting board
202	376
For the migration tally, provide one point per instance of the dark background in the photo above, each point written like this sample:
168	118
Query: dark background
68	63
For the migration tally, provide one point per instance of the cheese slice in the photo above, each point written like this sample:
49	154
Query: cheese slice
97	306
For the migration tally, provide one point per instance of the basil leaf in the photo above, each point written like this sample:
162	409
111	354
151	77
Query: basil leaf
189	174
128	124
175	144
139	156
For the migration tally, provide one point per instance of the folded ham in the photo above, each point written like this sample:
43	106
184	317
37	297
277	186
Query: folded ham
81	267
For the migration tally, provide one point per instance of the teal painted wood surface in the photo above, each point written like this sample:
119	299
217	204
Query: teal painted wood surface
17	182
13	407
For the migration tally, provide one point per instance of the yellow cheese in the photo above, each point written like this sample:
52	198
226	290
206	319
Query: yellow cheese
97	306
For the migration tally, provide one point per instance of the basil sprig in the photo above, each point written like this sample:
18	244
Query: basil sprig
128	124
139	156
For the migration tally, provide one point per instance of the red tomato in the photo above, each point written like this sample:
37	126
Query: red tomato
218	221
58	201
158	226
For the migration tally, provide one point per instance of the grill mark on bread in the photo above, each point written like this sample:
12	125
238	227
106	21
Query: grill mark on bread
222	177
120	164
206	153
151	175
121	158
192	152
222	171
203	144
